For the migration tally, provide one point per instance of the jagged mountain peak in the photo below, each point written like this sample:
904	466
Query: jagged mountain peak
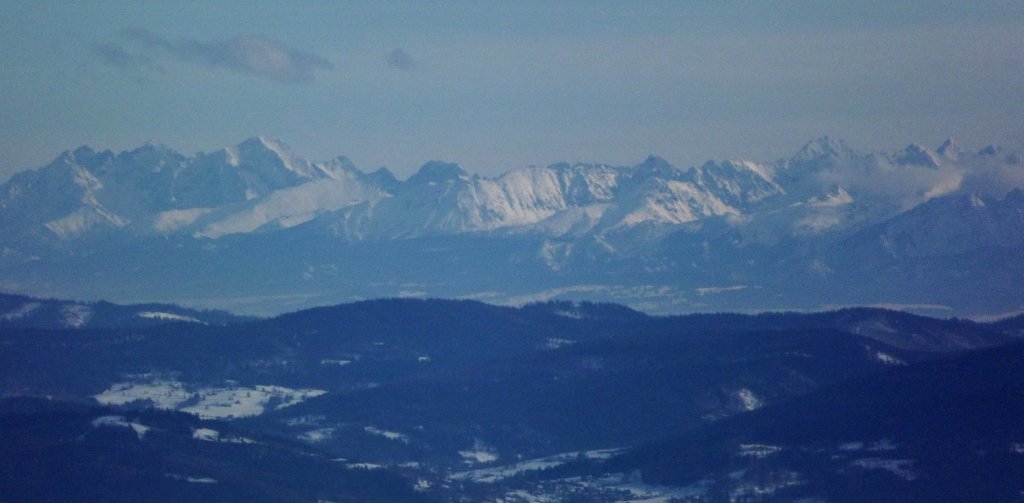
84	157
655	166
438	172
384	178
339	167
267	160
263	145
917	155
989	151
83	160
345	161
82	151
655	161
823	146
151	154
949	149
151	146
65	158
263	142
1015	196
260	148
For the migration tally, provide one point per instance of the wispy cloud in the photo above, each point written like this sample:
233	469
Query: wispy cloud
116	56
400	60
876	176
243	54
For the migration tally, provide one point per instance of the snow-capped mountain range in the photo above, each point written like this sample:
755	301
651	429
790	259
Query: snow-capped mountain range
256	219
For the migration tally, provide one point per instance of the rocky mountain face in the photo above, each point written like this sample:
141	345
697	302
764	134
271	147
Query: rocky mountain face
828	226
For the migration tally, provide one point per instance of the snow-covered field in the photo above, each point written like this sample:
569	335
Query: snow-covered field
163	394
209	403
497	473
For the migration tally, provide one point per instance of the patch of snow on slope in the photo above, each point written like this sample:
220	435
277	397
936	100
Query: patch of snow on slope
190	479
206	434
21	311
572	221
292	206
815	224
317	435
155	315
756	490
75	315
121	422
497	473
173	220
640	492
838	197
556	343
231	156
209	435
82	220
888	359
364	466
720	289
764	171
758	451
480	453
903	468
330	361
748	399
473	457
390	435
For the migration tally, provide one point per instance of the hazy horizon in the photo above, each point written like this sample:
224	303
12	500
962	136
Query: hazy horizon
496	87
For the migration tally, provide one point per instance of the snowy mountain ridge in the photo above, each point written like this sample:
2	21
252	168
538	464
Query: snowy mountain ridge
261	184
725	226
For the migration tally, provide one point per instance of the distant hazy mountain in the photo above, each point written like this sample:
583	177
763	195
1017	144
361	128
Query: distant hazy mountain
18	311
257	228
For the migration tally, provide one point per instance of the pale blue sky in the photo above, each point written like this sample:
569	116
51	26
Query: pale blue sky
496	86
